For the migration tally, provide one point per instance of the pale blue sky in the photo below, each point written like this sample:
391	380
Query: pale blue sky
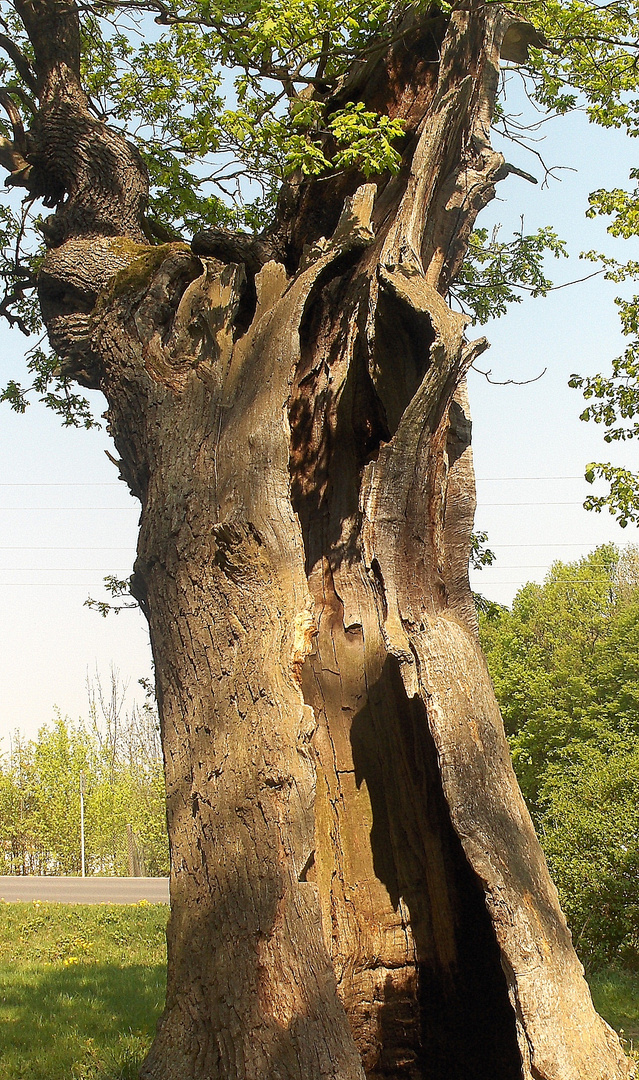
534	430
59	539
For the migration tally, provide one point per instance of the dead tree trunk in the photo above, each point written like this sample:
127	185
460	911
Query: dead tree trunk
356	885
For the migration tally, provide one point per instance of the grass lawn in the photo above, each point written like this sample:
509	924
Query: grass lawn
82	986
615	992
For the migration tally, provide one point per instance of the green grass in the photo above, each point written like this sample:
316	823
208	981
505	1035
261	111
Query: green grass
615	992
82	986
81	989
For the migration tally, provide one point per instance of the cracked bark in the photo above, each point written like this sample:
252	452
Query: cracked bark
356	886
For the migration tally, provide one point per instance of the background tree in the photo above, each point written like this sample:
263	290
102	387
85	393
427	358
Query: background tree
18	845
124	786
355	878
565	666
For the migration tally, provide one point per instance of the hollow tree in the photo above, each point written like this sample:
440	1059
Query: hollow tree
356	884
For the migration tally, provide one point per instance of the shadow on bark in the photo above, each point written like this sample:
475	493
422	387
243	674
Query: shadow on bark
340	414
250	992
465	1020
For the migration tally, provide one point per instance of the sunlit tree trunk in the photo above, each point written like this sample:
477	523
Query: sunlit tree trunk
356	885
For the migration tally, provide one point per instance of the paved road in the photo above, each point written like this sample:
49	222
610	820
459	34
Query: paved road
90	890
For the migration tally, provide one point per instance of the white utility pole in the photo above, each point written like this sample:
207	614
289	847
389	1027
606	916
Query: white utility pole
82	820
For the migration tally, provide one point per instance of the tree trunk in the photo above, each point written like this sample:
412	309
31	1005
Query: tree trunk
356	887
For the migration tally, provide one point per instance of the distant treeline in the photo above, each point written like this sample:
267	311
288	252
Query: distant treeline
119	758
565	664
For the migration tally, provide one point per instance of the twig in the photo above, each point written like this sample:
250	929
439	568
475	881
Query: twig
508	382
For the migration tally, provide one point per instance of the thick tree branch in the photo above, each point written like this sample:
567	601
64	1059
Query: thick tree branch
54	31
22	65
72	156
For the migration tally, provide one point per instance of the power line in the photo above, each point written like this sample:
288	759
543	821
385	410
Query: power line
65	508
118	483
131	547
112	570
482	505
572	502
495	566
509	479
569	584
491	584
71	483
550	545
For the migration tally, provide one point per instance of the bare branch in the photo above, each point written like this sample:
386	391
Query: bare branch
520	172
508	382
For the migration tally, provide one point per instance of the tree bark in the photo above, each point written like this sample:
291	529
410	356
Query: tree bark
356	887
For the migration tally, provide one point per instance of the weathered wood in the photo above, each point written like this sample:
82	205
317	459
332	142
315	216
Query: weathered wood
220	571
